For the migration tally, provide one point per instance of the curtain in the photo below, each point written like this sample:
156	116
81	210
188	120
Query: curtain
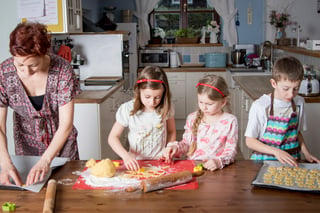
227	11
143	8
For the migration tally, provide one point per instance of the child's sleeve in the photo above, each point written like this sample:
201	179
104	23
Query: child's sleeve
230	150
255	121
122	114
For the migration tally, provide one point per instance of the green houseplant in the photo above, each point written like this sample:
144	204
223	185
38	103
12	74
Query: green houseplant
189	35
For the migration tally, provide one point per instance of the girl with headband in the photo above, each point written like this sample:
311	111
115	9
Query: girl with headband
211	133
149	118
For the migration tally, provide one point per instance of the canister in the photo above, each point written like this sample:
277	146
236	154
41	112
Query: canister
216	59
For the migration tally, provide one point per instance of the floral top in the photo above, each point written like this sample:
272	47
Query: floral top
34	130
217	140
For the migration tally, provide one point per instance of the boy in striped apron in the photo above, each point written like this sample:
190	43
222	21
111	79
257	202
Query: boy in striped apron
276	120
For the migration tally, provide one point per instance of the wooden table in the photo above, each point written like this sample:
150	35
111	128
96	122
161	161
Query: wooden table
226	190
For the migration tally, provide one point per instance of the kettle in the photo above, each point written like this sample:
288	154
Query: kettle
309	85
175	59
238	57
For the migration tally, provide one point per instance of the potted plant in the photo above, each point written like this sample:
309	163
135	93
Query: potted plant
170	36
186	36
157	35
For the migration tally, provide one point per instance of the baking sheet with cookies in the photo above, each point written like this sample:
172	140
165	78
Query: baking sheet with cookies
274	174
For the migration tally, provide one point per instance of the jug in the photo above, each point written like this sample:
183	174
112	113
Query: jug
237	57
174	59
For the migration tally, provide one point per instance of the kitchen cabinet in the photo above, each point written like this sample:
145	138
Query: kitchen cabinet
66	18
177	87
94	122
245	104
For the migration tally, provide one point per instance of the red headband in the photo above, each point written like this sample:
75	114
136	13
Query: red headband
145	80
215	88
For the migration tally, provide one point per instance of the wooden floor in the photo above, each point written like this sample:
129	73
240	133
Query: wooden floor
239	154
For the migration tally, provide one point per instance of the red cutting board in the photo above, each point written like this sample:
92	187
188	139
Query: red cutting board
178	166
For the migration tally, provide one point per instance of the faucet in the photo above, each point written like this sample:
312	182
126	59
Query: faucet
297	28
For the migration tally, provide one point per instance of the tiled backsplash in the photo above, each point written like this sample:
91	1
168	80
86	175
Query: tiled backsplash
196	55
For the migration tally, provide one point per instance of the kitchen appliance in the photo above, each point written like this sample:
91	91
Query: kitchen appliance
309	85
175	59
154	57
237	57
216	59
313	44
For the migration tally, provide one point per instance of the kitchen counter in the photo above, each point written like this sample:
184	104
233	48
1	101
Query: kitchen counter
191	68
299	50
255	86
97	96
225	190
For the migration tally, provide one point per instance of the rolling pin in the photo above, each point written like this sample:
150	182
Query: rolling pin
50	197
169	180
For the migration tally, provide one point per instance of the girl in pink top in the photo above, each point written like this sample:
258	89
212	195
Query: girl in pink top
211	133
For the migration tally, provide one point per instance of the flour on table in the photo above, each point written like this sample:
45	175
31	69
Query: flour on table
122	179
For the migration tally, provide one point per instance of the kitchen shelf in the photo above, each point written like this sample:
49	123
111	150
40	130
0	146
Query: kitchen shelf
299	50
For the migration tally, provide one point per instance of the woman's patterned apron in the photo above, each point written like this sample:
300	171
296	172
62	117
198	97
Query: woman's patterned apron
282	133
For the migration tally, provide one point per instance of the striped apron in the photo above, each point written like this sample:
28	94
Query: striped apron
282	133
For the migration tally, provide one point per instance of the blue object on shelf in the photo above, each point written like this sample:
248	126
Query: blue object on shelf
216	59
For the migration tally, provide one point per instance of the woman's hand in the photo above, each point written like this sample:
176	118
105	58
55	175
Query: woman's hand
7	172
38	172
285	158
212	164
168	154
131	163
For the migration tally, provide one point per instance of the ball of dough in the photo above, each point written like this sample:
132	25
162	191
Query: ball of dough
90	163
104	168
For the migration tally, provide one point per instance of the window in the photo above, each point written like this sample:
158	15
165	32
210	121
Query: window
171	15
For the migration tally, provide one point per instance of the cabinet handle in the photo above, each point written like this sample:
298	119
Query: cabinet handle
247	105
185	8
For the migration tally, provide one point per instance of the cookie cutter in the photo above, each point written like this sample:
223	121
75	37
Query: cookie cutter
7	206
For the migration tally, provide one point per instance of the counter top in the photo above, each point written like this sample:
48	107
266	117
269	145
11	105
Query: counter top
255	86
97	96
192	69
226	190
299	50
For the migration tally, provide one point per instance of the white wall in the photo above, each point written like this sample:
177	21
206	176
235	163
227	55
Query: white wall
303	12
8	21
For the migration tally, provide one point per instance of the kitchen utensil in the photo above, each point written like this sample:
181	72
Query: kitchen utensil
50	196
152	184
216	59
237	57
174	59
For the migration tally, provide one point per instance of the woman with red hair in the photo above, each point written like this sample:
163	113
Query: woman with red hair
40	88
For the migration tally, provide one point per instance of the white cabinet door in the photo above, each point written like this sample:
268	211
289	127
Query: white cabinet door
86	120
246	102
312	135
178	96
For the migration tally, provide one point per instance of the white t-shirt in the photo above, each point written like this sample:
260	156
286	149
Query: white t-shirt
147	131
260	110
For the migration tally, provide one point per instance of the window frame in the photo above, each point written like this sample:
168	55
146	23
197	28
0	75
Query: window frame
183	23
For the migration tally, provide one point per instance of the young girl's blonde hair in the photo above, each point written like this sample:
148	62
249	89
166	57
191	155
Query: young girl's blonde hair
161	81
217	89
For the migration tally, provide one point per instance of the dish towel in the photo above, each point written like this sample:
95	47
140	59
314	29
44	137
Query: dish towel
65	52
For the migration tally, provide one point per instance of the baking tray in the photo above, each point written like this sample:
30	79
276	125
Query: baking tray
260	182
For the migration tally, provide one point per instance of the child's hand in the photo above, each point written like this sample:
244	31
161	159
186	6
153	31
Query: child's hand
312	159
285	158
168	154
131	163
212	164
